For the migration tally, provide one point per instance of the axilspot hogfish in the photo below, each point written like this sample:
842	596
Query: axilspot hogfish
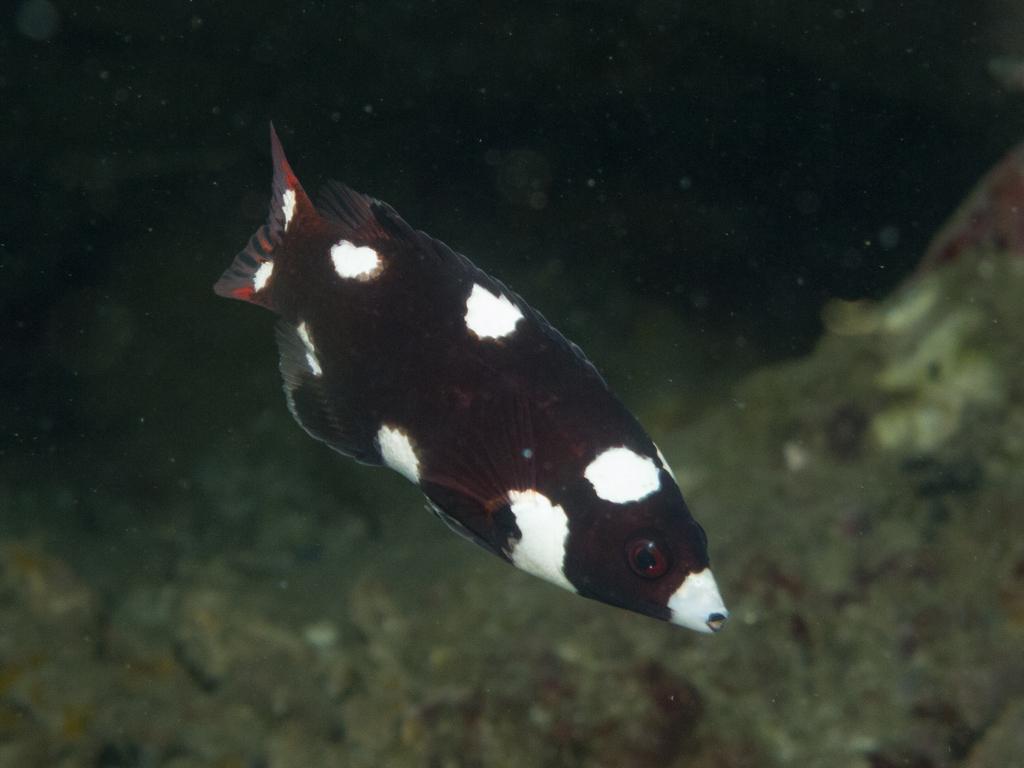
397	350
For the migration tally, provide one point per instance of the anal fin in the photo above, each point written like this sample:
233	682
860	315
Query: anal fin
316	405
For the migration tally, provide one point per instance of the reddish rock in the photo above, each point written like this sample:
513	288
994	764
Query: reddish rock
992	215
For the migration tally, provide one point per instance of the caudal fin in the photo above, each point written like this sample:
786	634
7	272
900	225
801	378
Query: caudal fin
252	271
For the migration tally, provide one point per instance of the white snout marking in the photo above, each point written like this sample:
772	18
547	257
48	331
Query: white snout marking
697	603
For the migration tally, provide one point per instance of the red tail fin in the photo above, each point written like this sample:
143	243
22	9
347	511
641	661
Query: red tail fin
252	271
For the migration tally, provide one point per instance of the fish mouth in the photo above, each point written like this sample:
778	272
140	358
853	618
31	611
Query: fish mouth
716	620
697	603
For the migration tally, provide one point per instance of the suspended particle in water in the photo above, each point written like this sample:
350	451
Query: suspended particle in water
889	237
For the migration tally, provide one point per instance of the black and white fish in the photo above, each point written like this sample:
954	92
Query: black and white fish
397	350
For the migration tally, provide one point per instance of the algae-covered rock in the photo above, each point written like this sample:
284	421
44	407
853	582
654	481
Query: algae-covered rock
864	506
876	588
1003	744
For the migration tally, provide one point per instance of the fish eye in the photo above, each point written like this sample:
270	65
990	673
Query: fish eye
646	558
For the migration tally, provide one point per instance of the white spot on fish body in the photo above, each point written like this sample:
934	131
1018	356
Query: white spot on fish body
397	451
697	603
288	207
352	260
544	527
259	280
490	316
307	341
620	476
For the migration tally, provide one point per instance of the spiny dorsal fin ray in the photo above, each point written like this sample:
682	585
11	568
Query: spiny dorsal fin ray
347	209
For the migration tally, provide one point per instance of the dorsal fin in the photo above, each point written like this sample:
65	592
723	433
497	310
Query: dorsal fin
248	273
367	221
345	208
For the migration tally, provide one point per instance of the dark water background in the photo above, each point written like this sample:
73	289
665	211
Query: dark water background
748	160
679	187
